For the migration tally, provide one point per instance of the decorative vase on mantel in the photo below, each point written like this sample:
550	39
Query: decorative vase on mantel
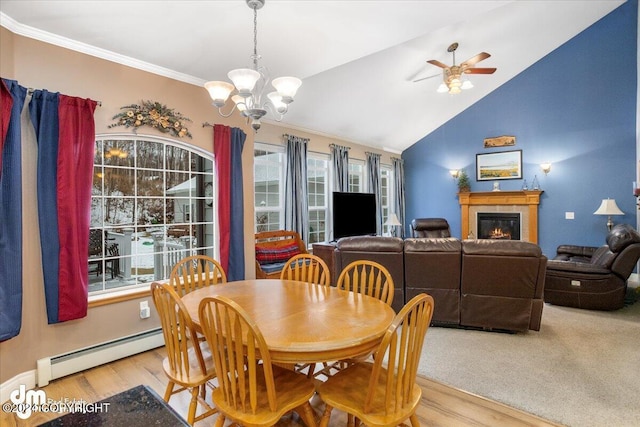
464	184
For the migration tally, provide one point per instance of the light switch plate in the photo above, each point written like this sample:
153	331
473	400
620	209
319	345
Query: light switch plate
575	283
569	215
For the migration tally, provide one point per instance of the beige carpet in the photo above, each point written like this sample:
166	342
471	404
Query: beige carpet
581	369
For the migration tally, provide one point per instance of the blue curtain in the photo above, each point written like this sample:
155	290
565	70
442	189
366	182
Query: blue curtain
340	165
13	98
373	169
398	181
236	225
296	207
43	110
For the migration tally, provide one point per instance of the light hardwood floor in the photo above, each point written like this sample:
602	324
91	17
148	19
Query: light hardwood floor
441	405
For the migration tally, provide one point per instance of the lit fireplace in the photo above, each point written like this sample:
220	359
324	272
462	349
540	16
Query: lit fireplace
498	226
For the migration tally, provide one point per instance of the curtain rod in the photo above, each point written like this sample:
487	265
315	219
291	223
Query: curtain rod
336	145
31	90
205	124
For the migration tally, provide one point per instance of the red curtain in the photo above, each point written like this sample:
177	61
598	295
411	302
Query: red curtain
75	176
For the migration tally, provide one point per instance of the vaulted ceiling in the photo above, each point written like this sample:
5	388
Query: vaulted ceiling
357	59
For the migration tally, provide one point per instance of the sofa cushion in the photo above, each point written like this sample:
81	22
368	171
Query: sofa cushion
442	244
276	254
501	248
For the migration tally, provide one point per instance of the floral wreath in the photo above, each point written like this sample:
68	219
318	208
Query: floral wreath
154	114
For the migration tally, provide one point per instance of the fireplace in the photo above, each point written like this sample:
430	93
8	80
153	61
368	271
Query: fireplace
498	225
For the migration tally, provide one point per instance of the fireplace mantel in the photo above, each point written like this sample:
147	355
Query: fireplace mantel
531	199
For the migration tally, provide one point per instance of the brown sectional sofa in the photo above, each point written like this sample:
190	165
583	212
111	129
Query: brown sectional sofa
487	284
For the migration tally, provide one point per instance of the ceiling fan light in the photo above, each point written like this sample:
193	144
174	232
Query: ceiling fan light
466	85
219	92
454	90
455	82
287	87
442	88
244	80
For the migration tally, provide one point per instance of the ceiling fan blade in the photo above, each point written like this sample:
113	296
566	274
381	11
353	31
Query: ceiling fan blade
437	63
475	59
480	70
425	78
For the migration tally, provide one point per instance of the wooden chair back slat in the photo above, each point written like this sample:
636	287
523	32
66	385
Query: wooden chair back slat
307	268
367	278
195	272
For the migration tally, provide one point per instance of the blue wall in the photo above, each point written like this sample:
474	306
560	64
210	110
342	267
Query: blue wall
576	108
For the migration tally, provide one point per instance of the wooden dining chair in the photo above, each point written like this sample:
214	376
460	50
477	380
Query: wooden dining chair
307	268
185	365
384	392
368	278
251	391
196	272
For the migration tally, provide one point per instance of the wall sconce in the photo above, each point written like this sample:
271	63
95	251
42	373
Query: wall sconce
454	173
546	167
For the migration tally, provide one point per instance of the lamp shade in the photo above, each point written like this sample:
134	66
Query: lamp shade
608	207
244	79
287	87
392	220
219	91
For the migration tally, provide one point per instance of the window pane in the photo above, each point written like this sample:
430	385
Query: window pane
119	182
177	159
118	153
150	155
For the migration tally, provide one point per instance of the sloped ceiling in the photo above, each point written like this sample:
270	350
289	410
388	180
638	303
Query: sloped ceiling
357	59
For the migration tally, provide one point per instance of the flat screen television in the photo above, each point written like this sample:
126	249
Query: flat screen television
354	214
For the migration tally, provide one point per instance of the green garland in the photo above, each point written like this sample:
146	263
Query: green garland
153	114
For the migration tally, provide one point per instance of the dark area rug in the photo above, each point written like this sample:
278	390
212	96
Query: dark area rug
136	407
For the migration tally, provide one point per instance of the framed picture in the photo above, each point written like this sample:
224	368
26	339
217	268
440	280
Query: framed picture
503	165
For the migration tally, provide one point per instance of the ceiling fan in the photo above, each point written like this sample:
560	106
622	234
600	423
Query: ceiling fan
451	75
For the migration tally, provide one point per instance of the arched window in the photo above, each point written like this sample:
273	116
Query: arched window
152	204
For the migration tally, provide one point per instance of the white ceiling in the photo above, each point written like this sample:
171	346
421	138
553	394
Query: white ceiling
357	59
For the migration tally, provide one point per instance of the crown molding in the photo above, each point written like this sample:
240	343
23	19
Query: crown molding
46	37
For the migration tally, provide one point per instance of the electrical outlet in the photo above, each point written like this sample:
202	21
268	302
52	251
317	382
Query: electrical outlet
575	283
569	215
145	311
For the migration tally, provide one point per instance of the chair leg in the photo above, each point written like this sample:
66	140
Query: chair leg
326	416
193	405
350	421
220	421
306	413
415	422
168	391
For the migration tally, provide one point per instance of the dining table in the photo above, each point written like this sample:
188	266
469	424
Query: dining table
304	322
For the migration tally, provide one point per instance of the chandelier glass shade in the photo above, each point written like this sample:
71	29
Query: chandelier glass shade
251	84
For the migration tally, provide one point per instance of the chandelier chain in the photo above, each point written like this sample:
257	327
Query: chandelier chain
255	37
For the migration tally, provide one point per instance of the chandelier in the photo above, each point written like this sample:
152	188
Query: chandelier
251	83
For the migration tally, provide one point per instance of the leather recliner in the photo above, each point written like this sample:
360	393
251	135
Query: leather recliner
590	277
430	227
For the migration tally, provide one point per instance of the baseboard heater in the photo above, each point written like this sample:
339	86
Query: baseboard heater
51	368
